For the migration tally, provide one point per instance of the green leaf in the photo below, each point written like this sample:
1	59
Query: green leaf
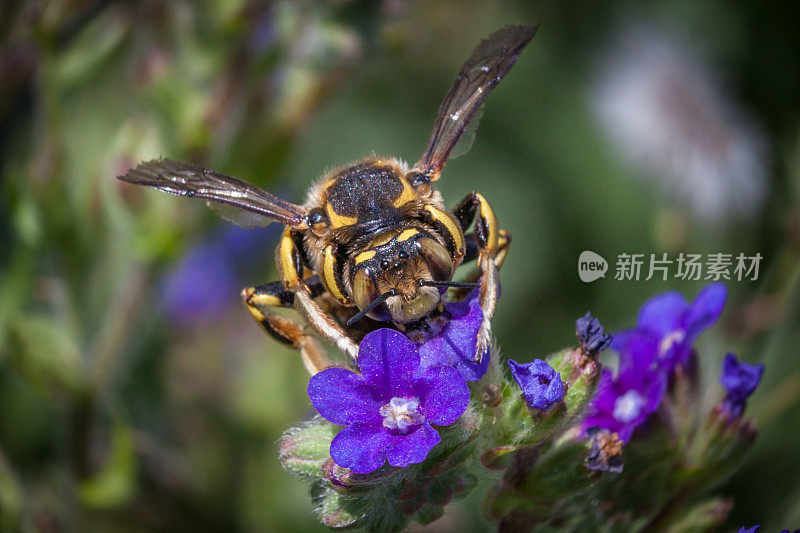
46	353
115	483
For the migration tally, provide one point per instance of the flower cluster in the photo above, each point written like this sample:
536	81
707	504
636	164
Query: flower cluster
416	416
663	338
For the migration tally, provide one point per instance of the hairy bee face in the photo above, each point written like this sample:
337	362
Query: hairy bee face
395	268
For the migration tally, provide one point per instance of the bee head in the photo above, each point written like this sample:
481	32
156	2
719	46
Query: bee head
392	276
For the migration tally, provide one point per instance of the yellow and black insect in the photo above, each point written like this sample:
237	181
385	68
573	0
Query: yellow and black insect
374	242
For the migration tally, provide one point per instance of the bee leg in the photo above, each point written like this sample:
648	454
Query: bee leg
474	207
291	265
324	324
474	275
473	249
503	243
259	300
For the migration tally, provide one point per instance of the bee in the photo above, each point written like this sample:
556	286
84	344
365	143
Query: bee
374	244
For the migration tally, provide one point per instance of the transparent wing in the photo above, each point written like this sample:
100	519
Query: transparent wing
232	198
467	138
484	69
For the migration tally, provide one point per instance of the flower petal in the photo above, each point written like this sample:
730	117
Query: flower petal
361	447
705	310
663	314
414	447
388	361
342	397
444	395
455	345
637	349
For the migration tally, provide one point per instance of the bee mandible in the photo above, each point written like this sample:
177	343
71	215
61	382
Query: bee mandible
373	244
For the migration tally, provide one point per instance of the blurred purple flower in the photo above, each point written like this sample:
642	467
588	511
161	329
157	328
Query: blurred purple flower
665	331
740	380
455	345
622	403
749	529
207	279
388	409
541	385
674	324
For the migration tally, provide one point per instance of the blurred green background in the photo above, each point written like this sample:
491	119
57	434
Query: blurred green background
135	391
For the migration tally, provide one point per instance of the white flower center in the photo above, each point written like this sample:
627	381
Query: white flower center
401	413
628	406
669	340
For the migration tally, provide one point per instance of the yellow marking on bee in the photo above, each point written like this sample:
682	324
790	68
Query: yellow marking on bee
258	315
365	256
286	252
407	234
491	222
406	196
255	311
265	299
450	225
337	220
329	272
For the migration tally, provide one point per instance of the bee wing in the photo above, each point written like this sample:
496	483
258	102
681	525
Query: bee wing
232	198
484	69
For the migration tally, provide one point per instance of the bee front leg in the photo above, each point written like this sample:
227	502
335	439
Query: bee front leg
490	256
291	265
261	299
474	275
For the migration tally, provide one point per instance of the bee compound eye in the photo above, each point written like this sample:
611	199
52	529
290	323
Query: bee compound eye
365	291
419	182
437	258
317	221
415	179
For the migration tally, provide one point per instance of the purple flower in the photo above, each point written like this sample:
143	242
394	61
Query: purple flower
207	279
590	334
622	403
675	324
740	380
663	337
749	529
455	345
200	287
541	385
388	409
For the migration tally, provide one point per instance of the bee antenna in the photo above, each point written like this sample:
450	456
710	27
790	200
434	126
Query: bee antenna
372	305
460	284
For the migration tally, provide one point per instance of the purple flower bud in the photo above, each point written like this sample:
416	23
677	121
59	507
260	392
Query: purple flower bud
388	409
590	335
740	380
541	385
